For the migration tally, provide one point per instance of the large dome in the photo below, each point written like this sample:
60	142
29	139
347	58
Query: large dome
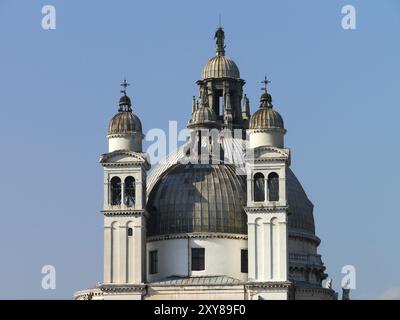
169	193
220	67
198	198
186	199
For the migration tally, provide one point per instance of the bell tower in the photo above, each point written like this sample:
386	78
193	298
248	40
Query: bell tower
266	209
125	169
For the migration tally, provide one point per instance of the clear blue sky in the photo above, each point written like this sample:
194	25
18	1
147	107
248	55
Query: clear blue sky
336	89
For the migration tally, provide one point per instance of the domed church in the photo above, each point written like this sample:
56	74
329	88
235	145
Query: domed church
222	217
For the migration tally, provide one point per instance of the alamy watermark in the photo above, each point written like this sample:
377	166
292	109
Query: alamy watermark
349	18
49	278
349	279
49	19
199	146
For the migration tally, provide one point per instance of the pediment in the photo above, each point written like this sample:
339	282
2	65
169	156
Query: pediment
123	157
269	153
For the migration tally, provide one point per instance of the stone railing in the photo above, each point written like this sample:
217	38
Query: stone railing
89	294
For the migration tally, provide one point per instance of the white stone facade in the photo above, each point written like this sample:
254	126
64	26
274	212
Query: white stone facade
218	250
258	245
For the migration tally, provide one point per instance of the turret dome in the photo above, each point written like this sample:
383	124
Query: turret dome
266	117
220	66
203	116
124	122
125	128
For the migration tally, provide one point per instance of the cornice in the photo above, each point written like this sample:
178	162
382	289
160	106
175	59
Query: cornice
266	209
280	155
139	159
122	164
326	291
116	288
222	79
294	266
304	235
270	284
266	130
285	152
277	159
126	134
102	289
124	213
200	235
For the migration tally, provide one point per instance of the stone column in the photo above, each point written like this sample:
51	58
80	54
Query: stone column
250	191
107	255
210	93
283	255
122	254
282	187
107	194
251	250
139	194
122	192
267	250
266	190
138	258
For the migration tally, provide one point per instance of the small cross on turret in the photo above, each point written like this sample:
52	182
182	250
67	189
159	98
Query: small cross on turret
124	84
265	82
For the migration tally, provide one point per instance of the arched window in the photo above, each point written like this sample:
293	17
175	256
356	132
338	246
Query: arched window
273	187
259	187
115	191
129	191
130	232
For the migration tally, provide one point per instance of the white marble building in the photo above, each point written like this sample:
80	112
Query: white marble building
223	217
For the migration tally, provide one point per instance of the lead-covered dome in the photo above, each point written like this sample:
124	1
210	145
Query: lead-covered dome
198	198
266	117
220	66
203	116
164	190
125	121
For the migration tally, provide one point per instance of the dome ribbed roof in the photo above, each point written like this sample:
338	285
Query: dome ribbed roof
124	122
198	198
300	207
203	116
266	117
220	67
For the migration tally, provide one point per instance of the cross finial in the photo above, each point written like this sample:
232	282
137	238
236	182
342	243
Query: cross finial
124	84
265	82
